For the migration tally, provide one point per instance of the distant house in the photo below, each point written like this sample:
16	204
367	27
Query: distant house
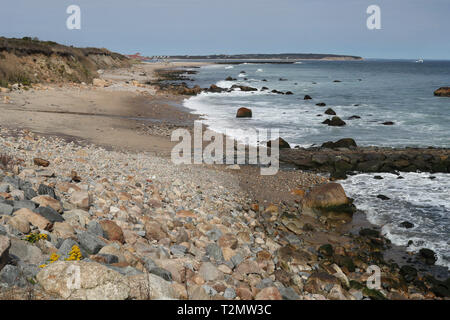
137	56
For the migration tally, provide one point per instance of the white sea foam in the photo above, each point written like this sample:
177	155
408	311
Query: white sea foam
229	67
418	199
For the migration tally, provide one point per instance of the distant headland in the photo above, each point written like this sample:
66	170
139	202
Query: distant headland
288	57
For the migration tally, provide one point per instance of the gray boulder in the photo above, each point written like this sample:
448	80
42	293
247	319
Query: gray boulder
50	214
90	242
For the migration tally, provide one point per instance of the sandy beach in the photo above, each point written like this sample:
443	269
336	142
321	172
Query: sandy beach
119	115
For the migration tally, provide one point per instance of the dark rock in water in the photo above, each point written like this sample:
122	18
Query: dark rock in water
409	273
282	79
264	88
243	88
338	175
244	113
442	92
354	117
265	80
388	123
50	214
337	81
307	97
215	89
321	104
282	144
342	143
428	255
335	122
46	190
326	250
378	178
432	178
383	197
400	177
330	111
277	92
243	72
289	93
406	225
230	79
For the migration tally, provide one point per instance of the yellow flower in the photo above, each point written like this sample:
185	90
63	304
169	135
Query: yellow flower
43	236
74	254
54	257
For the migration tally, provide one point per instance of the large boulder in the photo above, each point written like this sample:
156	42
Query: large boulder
26	252
34	218
442	92
20	223
328	199
83	280
330	111
244	113
335	122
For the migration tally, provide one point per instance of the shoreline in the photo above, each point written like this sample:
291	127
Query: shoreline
262	201
366	159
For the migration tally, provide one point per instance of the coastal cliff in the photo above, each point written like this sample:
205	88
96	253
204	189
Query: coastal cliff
28	60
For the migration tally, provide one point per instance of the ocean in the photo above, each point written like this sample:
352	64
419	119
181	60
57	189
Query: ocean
376	91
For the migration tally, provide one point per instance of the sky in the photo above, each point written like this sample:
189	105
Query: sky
410	29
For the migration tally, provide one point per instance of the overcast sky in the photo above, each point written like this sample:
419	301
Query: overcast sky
410	28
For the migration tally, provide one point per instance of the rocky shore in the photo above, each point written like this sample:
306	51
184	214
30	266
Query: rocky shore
138	227
344	157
